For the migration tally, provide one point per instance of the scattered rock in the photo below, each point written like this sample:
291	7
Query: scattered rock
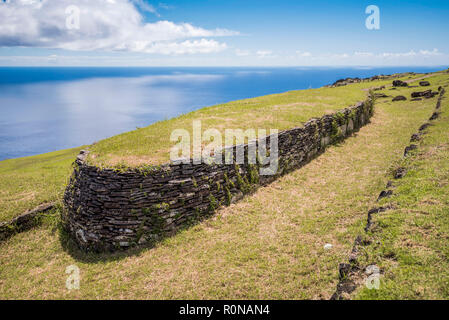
400	173
434	116
344	269
421	93
344	82
374	211
431	95
399	98
424	83
415	137
425	94
385	194
378	210
327	246
344	288
424	126
410	148
24	222
416	99
440	88
380	95
399	83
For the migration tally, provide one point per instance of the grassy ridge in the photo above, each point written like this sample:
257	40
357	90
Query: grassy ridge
151	145
30	181
269	245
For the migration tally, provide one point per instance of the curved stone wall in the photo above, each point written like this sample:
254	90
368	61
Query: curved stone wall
108	209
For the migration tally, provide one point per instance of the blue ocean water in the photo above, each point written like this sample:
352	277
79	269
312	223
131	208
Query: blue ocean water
47	109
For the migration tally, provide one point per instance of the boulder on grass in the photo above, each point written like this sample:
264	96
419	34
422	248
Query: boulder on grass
399	98
399	83
424	83
426	94
421	93
431	95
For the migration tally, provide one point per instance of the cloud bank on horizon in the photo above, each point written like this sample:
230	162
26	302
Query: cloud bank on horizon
110	25
132	32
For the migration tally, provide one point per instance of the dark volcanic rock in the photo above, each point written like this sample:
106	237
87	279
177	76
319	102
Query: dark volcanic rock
399	98
424	83
410	148
415	137
344	269
23	222
434	116
399	83
400	173
380	95
421	93
426	94
424	126
343	82
385	194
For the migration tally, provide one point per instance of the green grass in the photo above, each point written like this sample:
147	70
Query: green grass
410	243
268	246
151	145
28	182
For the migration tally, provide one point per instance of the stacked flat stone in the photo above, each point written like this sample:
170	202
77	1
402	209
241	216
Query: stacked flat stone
109	209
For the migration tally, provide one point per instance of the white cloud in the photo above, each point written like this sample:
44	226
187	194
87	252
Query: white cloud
242	53
188	46
110	25
391	55
264	53
434	52
340	56
303	53
145	6
410	53
363	54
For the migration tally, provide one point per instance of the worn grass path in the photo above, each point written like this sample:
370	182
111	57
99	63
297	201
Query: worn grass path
410	243
268	246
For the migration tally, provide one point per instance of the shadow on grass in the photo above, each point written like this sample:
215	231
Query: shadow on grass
71	248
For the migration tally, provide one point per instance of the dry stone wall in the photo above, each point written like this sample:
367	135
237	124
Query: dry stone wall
109	209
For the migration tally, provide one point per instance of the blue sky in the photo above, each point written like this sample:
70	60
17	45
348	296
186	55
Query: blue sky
224	33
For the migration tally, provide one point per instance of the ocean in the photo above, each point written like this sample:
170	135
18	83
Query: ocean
48	109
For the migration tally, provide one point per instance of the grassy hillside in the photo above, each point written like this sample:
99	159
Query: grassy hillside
28	182
269	245
151	145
